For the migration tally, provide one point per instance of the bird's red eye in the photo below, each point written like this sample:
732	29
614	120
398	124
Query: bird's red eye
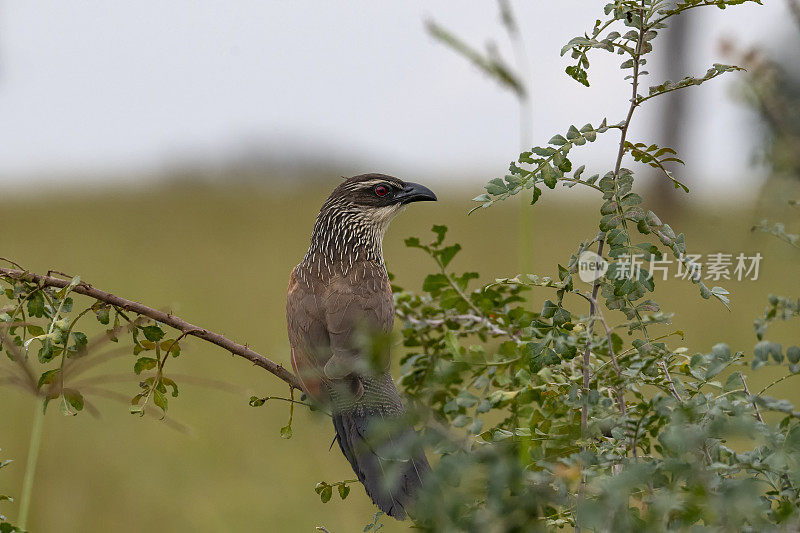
381	190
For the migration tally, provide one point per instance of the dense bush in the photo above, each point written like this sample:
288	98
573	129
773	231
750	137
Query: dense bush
571	417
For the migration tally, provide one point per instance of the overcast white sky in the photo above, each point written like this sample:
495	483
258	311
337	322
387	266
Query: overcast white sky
122	86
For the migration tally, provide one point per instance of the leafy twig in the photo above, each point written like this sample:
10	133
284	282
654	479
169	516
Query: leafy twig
159	316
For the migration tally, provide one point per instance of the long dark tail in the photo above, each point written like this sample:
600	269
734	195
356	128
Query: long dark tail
383	460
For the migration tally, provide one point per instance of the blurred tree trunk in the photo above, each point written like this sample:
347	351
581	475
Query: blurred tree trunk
674	108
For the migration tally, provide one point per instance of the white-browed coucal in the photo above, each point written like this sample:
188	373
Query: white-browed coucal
339	292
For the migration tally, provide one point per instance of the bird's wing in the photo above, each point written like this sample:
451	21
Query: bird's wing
358	303
308	336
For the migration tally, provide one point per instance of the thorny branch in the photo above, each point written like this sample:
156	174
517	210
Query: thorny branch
168	319
593	308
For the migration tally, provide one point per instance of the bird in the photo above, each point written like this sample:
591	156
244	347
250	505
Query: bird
339	291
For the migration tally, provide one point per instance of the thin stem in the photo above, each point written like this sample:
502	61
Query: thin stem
747	391
65	352
11	262
292	401
587	351
601	241
580	182
660	337
671	383
617	167
471	305
435	322
30	465
612	356
765	389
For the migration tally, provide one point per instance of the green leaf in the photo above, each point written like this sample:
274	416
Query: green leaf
441	232
722	295
344	490
35	330
435	282
47	352
764	349
561	317
451	344
102	314
36	305
466	399
616	342
732	383
573	133
255	401
446	254
79	342
549	309
608	222
66	306
496	186
793	354
160	399
144	363
171	346
136	408
153	333
537	192
461	420
413	242
546	151
49	377
549	176
74	398
171	384
326	493
286	433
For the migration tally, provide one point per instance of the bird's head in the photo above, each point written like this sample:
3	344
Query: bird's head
351	224
376	197
379	192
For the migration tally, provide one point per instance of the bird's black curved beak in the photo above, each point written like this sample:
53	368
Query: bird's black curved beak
414	192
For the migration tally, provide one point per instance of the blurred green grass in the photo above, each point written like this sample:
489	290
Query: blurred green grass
220	258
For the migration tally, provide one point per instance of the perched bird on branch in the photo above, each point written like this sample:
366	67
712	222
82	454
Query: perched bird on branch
339	302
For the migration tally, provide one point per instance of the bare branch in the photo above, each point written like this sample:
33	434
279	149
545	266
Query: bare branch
168	319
